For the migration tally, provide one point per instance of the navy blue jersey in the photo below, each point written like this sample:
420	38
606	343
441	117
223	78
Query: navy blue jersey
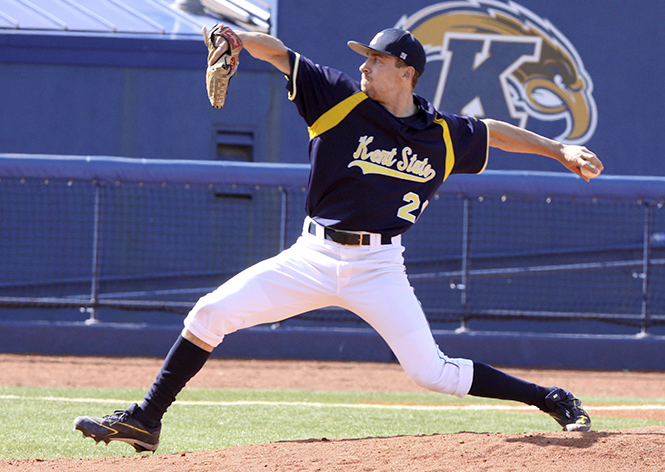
372	171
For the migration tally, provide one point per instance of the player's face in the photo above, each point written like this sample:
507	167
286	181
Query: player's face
380	77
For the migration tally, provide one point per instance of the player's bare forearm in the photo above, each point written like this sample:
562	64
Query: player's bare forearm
267	48
510	138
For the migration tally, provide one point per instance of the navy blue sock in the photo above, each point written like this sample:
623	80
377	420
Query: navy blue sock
183	361
489	382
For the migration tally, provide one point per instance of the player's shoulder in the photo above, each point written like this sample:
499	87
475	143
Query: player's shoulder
453	120
319	85
308	69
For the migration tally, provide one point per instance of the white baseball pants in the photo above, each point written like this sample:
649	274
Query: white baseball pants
369	281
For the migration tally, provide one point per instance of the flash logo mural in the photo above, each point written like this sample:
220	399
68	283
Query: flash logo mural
500	60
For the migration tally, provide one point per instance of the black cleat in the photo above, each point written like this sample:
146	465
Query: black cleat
567	410
120	426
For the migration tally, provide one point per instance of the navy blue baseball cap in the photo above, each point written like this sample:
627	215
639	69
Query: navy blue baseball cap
397	43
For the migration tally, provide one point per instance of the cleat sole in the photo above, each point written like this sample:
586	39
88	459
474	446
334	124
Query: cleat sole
577	427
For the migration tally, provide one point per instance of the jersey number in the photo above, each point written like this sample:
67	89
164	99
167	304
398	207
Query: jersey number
412	204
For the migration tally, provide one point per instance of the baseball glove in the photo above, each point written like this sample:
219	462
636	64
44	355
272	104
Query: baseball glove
222	62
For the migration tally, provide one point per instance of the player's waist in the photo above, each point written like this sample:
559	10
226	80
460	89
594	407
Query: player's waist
348	238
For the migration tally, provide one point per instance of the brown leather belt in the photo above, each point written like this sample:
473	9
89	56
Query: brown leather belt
347	238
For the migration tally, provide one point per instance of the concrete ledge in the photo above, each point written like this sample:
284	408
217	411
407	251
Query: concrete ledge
501	349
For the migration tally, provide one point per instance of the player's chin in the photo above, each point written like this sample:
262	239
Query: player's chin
366	88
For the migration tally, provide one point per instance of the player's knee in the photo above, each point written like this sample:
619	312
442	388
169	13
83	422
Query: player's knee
426	379
421	380
206	310
448	376
208	321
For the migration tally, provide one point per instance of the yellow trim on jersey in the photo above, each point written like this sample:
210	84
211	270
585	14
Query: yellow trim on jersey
335	115
294	77
450	151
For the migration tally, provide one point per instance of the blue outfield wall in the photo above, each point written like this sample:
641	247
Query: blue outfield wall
59	334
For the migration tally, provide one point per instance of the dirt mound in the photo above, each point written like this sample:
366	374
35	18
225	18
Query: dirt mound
640	450
604	451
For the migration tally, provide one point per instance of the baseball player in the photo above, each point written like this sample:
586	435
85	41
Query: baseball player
378	154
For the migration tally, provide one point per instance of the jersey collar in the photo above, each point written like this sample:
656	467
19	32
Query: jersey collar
427	107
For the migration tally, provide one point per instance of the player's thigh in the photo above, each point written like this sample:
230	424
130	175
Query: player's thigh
270	291
387	302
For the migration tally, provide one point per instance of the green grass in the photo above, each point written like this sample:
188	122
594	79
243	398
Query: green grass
37	422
